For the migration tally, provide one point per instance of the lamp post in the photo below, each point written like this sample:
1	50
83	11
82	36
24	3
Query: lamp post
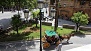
64	5
46	5
18	2
53	12
40	5
56	15
26	14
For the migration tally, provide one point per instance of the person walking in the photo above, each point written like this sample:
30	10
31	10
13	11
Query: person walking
58	48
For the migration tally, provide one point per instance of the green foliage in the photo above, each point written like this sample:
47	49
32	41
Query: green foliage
35	13
30	4
16	22
80	18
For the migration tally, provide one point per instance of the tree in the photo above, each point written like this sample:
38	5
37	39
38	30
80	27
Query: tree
31	4
80	19
35	14
16	22
17	4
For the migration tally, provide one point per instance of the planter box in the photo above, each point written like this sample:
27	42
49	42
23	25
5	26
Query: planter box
85	28
47	23
68	26
73	26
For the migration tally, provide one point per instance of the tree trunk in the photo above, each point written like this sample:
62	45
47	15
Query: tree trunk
2	9
56	17
77	27
36	22
17	30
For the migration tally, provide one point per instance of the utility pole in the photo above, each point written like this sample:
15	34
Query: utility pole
56	16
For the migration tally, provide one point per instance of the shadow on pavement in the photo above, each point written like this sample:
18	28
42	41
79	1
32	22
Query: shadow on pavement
5	23
66	43
52	47
79	34
18	46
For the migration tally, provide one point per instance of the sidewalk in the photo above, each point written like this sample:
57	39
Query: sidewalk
75	42
22	46
82	48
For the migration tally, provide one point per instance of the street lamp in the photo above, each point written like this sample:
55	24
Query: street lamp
53	12
46	5
56	15
26	14
64	4
40	5
18	6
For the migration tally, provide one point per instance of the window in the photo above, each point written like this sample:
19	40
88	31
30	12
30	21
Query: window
82	2
90	3
52	2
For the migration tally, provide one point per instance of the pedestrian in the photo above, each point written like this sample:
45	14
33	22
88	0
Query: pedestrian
58	48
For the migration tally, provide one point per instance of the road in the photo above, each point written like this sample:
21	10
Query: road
74	42
5	18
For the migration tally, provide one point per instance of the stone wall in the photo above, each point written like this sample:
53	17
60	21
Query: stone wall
47	23
73	26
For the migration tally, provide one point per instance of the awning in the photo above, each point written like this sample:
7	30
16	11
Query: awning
50	33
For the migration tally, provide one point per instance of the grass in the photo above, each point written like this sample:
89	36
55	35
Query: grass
62	31
36	33
59	30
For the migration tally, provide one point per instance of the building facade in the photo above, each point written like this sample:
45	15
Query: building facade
66	8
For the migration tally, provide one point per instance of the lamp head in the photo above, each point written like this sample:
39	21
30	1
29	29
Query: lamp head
40	4
53	12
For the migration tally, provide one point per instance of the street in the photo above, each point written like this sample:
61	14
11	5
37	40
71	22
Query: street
74	42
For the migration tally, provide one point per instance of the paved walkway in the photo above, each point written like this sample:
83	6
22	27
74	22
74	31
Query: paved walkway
76	41
82	48
5	18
